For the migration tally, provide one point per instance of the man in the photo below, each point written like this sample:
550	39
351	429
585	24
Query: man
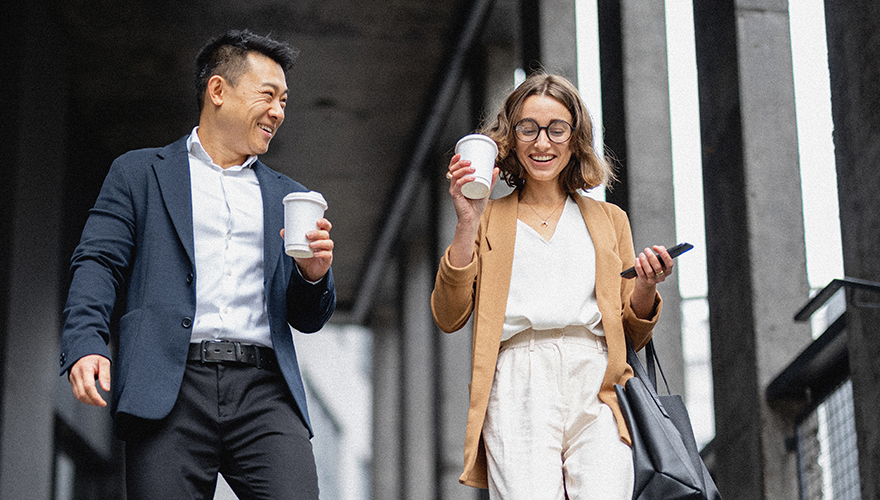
187	238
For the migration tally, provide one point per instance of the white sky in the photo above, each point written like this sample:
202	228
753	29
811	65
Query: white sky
816	146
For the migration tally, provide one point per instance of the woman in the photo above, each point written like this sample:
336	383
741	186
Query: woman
540	271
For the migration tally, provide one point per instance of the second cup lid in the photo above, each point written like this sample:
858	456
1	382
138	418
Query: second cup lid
308	196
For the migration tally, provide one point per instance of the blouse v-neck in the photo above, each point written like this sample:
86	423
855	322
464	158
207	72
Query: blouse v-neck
532	231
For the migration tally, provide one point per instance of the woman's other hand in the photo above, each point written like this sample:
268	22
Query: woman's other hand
653	266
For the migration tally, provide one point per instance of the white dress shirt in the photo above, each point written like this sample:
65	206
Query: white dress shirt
553	283
228	235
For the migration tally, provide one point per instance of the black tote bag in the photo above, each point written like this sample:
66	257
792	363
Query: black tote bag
665	457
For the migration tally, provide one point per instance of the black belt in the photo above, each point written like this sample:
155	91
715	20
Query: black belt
218	351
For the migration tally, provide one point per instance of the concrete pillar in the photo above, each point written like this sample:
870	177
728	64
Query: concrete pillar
405	379
558	38
387	462
853	55
419	364
649	161
754	232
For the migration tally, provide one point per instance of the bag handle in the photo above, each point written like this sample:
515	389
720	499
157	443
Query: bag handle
648	378
652	359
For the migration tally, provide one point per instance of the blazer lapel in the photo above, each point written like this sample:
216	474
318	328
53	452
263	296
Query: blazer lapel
608	265
497	262
272	192
172	174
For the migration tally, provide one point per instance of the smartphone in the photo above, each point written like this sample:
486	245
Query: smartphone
673	252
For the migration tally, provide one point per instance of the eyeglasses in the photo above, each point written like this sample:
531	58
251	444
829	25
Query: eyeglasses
527	130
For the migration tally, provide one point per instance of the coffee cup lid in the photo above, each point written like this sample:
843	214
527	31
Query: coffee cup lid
308	196
478	137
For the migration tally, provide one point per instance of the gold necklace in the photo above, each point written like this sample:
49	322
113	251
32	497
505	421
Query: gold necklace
543	219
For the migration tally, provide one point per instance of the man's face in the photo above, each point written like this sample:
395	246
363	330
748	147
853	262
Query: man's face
254	108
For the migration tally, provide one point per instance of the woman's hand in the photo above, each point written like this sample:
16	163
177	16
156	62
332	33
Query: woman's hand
460	173
653	266
467	211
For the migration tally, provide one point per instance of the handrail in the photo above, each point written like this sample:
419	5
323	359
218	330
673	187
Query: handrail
823	364
439	112
826	293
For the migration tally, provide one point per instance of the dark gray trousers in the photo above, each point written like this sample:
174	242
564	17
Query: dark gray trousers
234	419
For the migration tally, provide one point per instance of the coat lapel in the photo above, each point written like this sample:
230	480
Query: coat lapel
172	174
272	192
496	263
608	265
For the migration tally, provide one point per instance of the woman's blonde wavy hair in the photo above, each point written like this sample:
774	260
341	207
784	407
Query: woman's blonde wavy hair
585	170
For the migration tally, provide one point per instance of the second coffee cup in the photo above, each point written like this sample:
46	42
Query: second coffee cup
481	150
301	213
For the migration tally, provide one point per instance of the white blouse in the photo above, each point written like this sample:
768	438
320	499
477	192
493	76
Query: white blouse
553	283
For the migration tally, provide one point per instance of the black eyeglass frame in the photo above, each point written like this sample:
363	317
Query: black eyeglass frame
546	129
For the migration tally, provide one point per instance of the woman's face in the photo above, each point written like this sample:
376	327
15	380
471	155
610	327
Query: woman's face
542	158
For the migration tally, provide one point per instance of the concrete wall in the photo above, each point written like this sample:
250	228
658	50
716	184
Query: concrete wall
754	231
853	54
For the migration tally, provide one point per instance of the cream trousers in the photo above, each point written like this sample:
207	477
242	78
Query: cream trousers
547	434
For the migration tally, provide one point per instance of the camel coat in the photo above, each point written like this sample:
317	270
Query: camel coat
483	286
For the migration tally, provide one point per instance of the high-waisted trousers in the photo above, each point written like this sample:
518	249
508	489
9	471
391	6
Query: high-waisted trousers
547	434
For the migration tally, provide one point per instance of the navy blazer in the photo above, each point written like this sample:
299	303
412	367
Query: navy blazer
137	249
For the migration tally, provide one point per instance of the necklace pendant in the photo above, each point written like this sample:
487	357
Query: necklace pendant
543	223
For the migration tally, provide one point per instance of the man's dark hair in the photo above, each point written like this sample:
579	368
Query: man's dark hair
226	56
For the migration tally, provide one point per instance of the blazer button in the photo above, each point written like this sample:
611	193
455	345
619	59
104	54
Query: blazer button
189	278
186	323
63	358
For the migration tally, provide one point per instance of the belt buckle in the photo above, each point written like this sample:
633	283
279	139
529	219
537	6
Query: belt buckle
204	349
257	361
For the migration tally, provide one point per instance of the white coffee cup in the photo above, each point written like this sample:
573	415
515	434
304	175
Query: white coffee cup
301	213
481	150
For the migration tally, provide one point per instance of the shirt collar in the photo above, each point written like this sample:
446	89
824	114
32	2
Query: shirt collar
195	148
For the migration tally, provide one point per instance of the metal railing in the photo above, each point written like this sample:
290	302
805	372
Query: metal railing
818	380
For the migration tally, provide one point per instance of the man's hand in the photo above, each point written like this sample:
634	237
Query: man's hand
315	267
83	375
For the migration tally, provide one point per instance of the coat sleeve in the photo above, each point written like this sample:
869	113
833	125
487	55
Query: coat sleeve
452	300
98	270
455	288
310	305
638	330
